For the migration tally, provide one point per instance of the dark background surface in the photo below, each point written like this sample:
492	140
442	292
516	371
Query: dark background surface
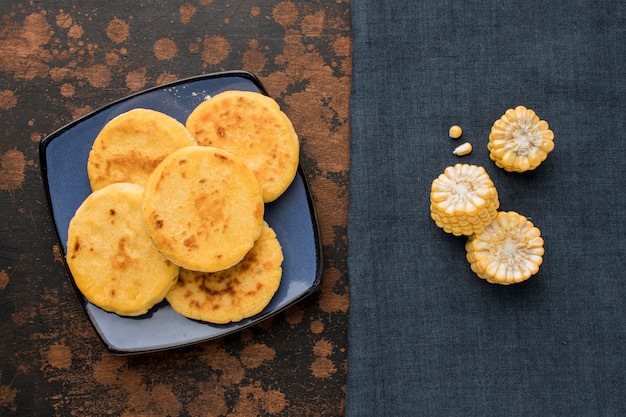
62	59
427	337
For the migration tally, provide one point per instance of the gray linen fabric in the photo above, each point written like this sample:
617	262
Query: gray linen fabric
426	336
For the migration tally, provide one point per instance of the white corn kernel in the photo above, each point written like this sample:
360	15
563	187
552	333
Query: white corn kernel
463	149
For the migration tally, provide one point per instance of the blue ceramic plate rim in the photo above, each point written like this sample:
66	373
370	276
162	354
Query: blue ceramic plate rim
63	158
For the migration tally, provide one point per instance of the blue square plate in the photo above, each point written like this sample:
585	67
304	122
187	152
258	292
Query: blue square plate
64	156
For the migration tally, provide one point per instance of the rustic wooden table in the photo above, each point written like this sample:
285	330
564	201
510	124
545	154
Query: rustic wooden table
62	59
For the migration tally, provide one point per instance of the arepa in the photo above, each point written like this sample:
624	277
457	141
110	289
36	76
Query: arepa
235	293
253	127
111	257
203	208
131	145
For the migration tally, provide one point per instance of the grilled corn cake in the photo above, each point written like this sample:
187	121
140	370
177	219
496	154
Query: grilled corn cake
253	127
110	255
235	293
131	145
203	208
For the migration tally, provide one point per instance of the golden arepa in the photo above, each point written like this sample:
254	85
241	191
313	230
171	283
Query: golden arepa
203	208
235	293
111	257
131	145
251	126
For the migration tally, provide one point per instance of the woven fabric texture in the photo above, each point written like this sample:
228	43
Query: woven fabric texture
427	337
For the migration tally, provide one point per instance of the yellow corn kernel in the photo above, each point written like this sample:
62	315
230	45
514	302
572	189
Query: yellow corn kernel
463	200
519	141
509	250
463	149
455	132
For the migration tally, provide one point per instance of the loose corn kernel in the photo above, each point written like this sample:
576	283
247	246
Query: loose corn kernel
463	200
509	250
463	149
519	141
455	132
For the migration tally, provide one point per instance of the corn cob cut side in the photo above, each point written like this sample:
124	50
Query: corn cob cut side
463	199
519	141
508	251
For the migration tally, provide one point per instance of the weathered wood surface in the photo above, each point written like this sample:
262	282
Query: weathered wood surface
61	59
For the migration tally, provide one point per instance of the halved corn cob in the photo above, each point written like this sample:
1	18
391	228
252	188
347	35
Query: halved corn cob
463	200
519	141
509	250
